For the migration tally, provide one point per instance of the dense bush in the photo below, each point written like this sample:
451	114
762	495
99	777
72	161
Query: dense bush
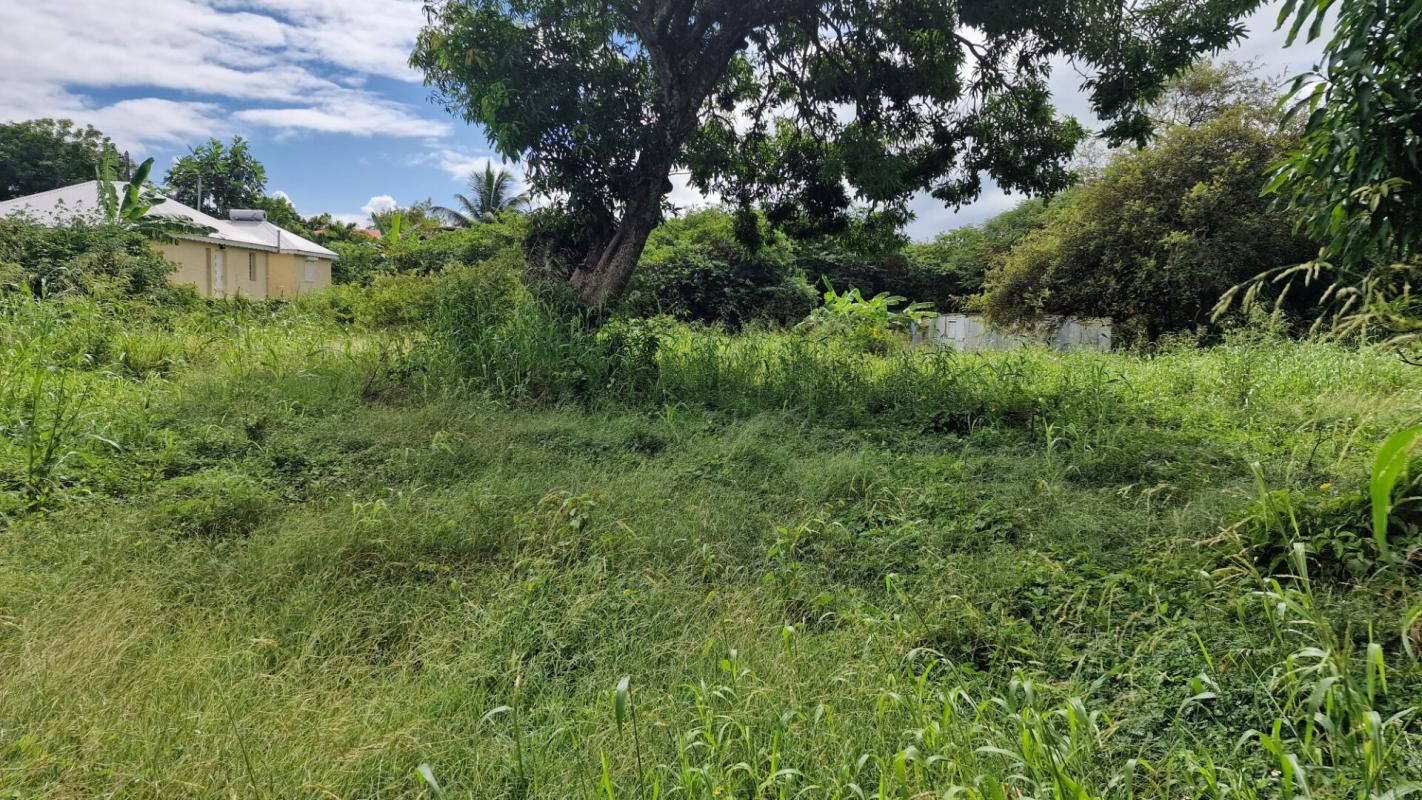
454	299
469	245
425	250
1158	238
79	257
696	268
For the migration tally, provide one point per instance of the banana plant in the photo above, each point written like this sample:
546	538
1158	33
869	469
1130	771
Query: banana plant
128	207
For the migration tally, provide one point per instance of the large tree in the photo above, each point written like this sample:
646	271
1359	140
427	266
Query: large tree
799	106
217	178
43	154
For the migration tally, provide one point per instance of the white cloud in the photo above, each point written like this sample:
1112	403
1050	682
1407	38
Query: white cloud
362	220
346	111
288	65
152	120
378	204
685	196
461	164
280	195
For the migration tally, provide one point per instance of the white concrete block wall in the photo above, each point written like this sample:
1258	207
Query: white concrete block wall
968	333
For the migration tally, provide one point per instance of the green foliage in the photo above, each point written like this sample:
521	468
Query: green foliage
872	325
42	154
657	560
82	257
1355	177
952	267
228	177
281	213
1209	90
1333	526
214	504
1353	180
324	229
423	248
132	208
696	267
490	194
438	250
1158	239
359	261
476	296
605	102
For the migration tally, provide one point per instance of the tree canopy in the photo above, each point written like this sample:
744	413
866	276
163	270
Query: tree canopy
802	108
217	178
42	154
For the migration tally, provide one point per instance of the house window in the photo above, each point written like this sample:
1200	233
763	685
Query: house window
252	267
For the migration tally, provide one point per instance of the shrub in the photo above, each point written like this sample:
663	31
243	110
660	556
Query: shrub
952	267
472	245
337	303
459	298
397	299
1158	238
359	262
1334	525
872	325
695	268
81	257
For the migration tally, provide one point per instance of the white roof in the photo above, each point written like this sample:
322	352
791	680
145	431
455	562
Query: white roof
82	201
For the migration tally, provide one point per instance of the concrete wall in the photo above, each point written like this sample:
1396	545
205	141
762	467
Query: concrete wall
968	334
247	272
290	275
191	258
250	273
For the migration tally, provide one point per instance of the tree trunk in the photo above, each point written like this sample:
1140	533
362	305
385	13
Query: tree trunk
687	62
603	276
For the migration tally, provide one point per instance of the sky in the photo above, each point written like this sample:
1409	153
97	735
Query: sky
323	91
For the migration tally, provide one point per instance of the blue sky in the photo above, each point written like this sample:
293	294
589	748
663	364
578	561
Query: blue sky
320	88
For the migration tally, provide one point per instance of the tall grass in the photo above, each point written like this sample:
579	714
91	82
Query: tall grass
281	553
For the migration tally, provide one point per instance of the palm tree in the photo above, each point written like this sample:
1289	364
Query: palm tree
489	195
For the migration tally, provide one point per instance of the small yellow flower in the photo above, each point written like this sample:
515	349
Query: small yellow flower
1325	486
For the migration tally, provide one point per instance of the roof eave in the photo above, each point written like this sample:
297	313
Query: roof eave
255	246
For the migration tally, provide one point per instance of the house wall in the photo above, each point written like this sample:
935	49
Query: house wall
250	273
191	258
244	273
247	272
289	275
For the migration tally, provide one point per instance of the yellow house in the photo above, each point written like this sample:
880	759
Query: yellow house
243	255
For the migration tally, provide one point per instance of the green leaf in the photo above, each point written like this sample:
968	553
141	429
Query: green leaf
1391	462
620	698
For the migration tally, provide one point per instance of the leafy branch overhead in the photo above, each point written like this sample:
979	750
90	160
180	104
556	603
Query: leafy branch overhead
802	108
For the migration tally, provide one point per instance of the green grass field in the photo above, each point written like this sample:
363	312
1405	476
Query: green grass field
254	552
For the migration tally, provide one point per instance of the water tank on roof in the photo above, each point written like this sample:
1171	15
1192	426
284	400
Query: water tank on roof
247	215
